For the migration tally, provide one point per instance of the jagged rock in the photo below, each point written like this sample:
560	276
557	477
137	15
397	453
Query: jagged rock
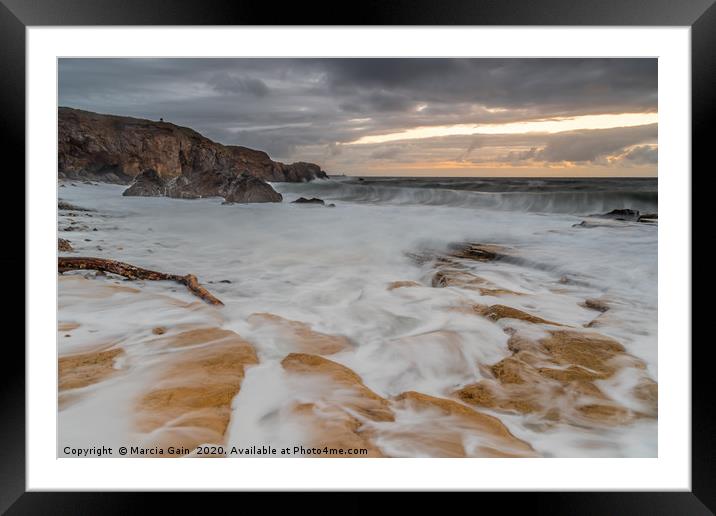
312	200
116	149
622	214
246	188
147	184
241	189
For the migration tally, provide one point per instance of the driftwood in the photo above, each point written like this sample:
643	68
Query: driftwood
127	270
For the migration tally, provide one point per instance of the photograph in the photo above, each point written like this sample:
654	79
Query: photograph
357	257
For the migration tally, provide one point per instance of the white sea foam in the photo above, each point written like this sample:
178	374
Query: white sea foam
329	267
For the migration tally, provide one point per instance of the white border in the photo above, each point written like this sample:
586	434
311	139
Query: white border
670	471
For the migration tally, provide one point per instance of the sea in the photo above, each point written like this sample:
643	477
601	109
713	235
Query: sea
330	268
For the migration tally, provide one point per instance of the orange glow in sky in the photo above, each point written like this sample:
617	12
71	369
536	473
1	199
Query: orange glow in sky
552	125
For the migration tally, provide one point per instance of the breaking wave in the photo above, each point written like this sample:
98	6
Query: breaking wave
548	196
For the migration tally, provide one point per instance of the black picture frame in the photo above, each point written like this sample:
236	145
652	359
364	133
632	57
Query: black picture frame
16	15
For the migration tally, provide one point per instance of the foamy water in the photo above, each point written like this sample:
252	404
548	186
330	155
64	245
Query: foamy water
329	268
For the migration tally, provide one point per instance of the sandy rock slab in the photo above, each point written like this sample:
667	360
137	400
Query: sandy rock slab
346	414
83	369
299	336
402	284
557	377
190	403
336	417
440	427
497	312
449	276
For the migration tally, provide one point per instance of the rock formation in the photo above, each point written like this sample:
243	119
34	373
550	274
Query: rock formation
246	188
117	149
147	184
625	214
312	200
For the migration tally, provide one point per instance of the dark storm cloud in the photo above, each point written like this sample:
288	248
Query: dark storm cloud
293	108
562	85
229	83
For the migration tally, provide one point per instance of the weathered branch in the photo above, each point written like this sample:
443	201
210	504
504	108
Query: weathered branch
65	263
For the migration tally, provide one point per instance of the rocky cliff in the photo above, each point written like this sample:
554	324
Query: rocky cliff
117	149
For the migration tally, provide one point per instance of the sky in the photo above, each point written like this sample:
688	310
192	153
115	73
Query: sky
397	117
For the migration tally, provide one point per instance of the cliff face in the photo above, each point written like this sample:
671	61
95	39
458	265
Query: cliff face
116	149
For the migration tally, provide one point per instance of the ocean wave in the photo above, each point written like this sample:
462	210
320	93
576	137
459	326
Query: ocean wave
576	197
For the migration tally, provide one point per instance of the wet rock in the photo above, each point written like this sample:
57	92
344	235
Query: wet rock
76	227
497	312
63	205
455	278
555	378
248	189
649	218
335	429
647	391
450	277
347	388
64	245
403	284
81	370
442	435
312	200
67	326
593	224
592	352
479	252
189	403
299	336
519	399
568	280
335	411
595	304
621	214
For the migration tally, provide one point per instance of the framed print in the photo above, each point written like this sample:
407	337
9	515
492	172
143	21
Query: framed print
419	250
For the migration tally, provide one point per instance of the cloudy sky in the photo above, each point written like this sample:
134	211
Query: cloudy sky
488	117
